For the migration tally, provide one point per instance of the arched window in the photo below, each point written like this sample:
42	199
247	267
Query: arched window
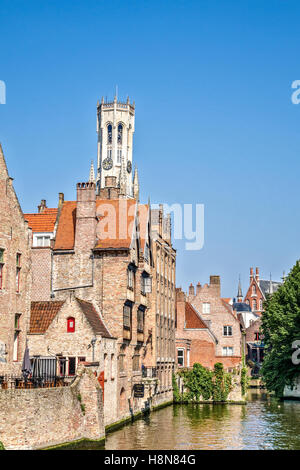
253	289
109	134
71	325
254	305
120	134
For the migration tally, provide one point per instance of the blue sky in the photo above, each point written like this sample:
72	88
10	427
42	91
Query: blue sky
214	119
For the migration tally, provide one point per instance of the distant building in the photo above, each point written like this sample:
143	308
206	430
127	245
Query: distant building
15	275
211	325
258	290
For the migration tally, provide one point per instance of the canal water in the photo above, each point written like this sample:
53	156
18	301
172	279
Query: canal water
263	423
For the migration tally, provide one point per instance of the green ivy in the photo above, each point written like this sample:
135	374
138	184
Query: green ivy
203	384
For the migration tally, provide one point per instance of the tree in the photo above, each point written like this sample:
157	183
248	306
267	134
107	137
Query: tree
280	327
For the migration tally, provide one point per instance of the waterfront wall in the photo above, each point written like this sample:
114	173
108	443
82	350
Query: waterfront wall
38	418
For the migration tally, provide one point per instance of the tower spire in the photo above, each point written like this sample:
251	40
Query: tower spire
92	173
239	294
271	285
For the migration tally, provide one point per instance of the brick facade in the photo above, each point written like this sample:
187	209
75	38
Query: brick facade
15	275
210	326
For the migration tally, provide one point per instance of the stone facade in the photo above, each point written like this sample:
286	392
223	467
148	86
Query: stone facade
15	275
90	342
39	418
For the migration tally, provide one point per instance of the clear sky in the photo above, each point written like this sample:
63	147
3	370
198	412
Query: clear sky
215	123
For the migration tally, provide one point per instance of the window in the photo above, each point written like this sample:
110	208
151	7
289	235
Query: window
140	320
18	271
253	289
1	267
71	325
227	351
120	134
119	155
146	285
260	304
130	277
127	317
109	134
109	153
180	357
206	307
72	365
227	330
43	240
81	359
136	362
17	321
254	305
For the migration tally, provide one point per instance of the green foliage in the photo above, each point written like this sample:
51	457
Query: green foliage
79	397
2	446
203	384
176	395
221	383
280	327
244	377
82	406
198	382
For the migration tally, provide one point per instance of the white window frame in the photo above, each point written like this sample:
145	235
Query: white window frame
182	351
206	308
226	350
227	329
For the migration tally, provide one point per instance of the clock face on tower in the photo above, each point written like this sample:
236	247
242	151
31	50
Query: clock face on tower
107	163
129	167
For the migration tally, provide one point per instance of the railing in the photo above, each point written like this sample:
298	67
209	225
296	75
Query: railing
43	381
149	372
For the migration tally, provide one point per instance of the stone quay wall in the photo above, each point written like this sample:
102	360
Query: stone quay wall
45	417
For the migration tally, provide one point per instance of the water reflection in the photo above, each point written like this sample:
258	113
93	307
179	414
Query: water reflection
263	423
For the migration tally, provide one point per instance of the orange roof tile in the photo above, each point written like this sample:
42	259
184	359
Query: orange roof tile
42	314
65	235
43	222
192	319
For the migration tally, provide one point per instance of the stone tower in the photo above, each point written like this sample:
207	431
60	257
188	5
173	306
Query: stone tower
115	128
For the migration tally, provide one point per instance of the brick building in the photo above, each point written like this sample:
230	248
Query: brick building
163	301
15	275
258	290
102	247
223	327
71	332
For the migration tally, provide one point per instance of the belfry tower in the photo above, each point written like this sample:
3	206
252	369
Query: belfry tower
115	128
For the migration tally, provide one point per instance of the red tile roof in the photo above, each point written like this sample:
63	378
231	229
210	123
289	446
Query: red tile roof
65	235
43	222
192	319
115	224
42	314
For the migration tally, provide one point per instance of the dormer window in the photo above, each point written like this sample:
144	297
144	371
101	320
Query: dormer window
71	325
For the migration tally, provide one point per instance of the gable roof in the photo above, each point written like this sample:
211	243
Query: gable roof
65	234
42	222
94	319
192	318
42	314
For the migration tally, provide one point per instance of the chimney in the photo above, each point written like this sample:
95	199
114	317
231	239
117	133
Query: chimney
85	235
61	199
42	206
180	296
214	282
191	290
251	274
257	274
198	288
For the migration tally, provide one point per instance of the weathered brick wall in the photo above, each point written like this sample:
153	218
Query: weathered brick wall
41	273
15	237
37	418
252	329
